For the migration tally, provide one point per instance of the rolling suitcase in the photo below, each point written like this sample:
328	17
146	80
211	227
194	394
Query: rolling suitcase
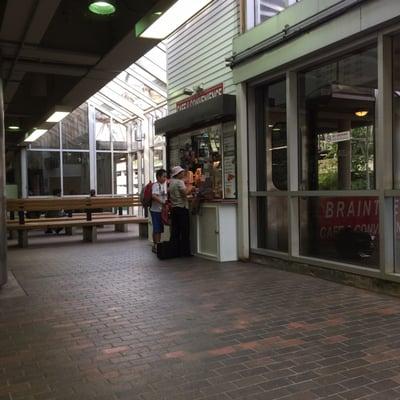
166	250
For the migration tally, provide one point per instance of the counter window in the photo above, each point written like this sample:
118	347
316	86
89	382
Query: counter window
201	153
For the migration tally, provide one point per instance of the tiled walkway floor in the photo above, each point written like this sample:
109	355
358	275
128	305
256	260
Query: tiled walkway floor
110	321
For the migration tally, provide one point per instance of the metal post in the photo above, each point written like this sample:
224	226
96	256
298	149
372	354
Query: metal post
242	172
3	229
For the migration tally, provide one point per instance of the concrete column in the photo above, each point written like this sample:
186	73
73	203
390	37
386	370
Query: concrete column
3	229
24	173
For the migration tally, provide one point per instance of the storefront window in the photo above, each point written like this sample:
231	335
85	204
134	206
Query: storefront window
43	173
343	229
50	140
103	131
120	173
200	153
270	217
396	111
75	129
271	137
337	123
104	177
76	173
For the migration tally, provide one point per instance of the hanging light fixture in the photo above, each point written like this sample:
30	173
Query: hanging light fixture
107	7
361	113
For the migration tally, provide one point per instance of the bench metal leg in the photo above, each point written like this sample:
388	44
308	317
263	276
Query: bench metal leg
23	239
68	231
121	227
143	230
90	234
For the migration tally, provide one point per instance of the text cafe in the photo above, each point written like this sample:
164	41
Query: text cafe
201	139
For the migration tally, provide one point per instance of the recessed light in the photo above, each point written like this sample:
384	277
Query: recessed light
14	128
361	113
35	135
102	7
57	116
170	20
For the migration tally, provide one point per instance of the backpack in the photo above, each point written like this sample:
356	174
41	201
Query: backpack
146	195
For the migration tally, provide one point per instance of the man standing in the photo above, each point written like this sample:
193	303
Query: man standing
159	197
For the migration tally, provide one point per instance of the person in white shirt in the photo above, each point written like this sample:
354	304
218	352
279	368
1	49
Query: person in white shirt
159	197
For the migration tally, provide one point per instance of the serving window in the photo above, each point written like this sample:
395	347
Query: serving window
209	157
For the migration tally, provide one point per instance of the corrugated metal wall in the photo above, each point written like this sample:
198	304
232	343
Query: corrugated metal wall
196	53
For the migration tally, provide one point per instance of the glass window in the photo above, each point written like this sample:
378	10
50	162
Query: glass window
104	177
120	173
269	216
119	136
396	111
158	155
337	124
76	173
135	174
265	9
43	173
50	140
75	129
396	222
340	228
103	131
271	137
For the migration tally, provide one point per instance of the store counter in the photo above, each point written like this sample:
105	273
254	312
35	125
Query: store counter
214	231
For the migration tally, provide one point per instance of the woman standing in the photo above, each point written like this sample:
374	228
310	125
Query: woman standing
180	225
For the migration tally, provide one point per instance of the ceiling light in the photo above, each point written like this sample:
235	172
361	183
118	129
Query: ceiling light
361	113
158	26
102	7
35	135
57	116
14	128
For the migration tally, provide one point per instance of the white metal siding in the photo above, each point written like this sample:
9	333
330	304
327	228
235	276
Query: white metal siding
196	53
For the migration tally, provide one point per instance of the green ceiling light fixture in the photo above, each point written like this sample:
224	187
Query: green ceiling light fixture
160	24
14	128
102	7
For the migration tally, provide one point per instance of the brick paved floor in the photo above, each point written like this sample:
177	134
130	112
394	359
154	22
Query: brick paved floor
110	321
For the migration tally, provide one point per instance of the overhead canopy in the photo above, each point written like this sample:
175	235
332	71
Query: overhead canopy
55	52
220	108
139	90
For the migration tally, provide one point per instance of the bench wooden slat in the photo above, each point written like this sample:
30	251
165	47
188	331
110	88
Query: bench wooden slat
63	203
74	217
68	223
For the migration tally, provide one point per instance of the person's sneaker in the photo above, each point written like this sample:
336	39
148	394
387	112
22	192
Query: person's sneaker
154	248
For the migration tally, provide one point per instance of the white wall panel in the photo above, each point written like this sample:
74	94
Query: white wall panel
196	53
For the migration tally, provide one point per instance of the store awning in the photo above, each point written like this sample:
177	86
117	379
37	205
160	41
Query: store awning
221	108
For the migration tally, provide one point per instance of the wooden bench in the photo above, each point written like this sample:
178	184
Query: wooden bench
89	220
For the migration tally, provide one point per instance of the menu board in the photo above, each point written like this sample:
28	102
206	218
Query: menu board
229	164
174	151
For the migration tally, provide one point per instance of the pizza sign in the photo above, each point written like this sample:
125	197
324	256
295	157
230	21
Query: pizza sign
201	97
